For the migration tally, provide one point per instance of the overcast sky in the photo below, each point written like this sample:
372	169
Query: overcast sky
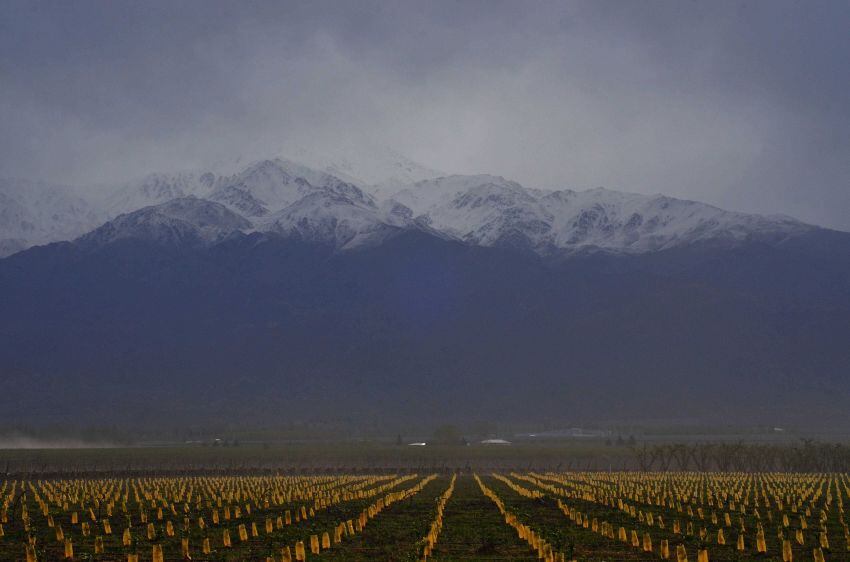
743	105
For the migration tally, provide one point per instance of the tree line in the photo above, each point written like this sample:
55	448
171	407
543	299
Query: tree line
807	455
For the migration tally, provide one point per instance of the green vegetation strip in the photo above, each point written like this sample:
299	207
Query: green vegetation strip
395	535
547	519
474	530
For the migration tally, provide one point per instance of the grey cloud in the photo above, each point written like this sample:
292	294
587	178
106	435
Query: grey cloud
743	105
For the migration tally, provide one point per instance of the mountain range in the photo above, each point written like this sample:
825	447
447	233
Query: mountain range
288	197
324	289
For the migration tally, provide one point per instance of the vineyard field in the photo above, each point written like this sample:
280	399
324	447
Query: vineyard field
524	516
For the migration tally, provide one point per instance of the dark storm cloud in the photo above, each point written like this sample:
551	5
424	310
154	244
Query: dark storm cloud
739	104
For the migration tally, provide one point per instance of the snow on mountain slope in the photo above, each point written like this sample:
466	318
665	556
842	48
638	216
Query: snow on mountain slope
424	196
183	220
377	169
294	199
253	191
34	213
489	210
480	209
276	196
291	199
154	189
612	220
492	213
366	163
239	200
327	216
279	183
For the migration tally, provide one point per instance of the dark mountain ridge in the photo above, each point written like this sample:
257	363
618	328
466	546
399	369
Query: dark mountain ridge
261	328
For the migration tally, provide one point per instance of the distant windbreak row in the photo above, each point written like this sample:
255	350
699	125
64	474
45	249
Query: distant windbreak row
528	516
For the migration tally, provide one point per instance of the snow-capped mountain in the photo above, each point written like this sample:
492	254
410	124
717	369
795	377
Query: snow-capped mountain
425	196
378	170
155	188
276	196
293	199
240	200
281	276
628	222
279	183
173	300
489	210
290	199
38	213
185	220
327	216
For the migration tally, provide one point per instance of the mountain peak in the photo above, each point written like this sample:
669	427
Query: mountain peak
331	217
183	220
278	183
377	168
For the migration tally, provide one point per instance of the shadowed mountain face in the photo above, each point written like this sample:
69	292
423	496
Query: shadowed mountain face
258	328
